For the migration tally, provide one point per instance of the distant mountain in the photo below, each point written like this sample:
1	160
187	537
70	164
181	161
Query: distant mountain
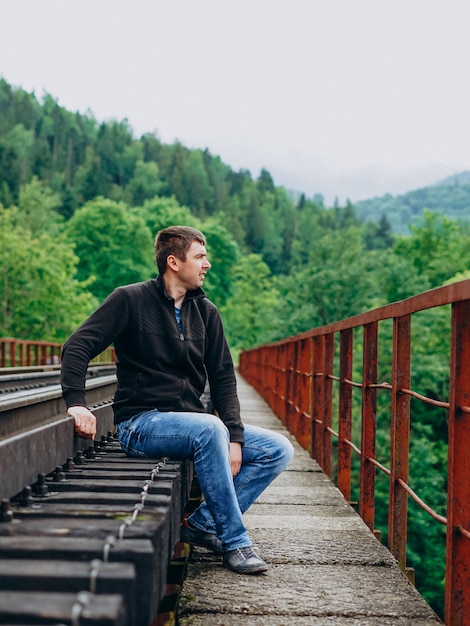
457	179
450	197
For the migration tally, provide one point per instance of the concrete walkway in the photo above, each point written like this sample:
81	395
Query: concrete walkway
326	567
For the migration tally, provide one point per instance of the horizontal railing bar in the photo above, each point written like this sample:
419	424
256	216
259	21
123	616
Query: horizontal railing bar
406	487
352	383
384	469
353	446
418	396
388	386
383	385
427	300
422	504
463	532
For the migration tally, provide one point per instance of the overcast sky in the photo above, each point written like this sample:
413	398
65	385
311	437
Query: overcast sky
348	98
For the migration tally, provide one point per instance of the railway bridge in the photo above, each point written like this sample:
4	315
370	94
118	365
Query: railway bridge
315	525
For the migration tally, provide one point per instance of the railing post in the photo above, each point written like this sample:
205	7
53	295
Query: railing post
277	387
369	410
271	359
457	602
327	403
399	439
282	351
291	396
345	413
267	377
293	417
13	353
304	389
318	395
282	381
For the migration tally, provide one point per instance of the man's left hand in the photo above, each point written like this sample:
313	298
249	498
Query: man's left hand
235	457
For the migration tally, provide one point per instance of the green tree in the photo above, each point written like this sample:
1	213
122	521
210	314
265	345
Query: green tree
338	281
10	174
113	243
223	255
378	235
398	277
249	313
37	209
144	184
217	172
268	239
91	180
21	141
161	212
40	297
16	107
112	147
306	233
438	248
194	178
232	217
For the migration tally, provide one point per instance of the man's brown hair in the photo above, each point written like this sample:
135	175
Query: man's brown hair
175	240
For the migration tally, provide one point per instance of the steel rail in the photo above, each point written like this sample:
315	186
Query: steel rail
36	435
18	378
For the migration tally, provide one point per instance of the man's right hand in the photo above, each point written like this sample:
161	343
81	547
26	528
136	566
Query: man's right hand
85	421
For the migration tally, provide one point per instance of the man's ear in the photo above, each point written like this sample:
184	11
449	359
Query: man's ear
172	262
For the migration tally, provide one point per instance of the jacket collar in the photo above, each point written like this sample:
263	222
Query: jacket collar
190	295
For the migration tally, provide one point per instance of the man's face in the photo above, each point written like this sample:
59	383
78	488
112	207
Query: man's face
191	272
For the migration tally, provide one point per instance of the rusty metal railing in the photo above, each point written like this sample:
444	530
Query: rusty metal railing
25	353
296	377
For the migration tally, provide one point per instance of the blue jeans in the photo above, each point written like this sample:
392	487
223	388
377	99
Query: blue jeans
205	439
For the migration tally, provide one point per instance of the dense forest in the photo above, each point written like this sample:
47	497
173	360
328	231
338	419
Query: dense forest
80	204
450	197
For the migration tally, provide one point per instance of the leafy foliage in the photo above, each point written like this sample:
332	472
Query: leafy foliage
114	245
451	198
250	312
39	293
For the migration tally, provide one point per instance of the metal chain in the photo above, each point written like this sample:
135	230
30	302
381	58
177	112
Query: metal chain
110	542
82	601
83	598
138	507
94	572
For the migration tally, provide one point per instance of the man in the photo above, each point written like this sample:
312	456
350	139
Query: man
168	338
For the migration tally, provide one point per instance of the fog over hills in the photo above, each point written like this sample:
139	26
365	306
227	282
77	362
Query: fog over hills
449	197
457	179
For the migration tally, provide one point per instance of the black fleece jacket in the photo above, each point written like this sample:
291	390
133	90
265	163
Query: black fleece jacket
157	366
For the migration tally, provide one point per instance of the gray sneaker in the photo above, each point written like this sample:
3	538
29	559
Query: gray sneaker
244	561
196	537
